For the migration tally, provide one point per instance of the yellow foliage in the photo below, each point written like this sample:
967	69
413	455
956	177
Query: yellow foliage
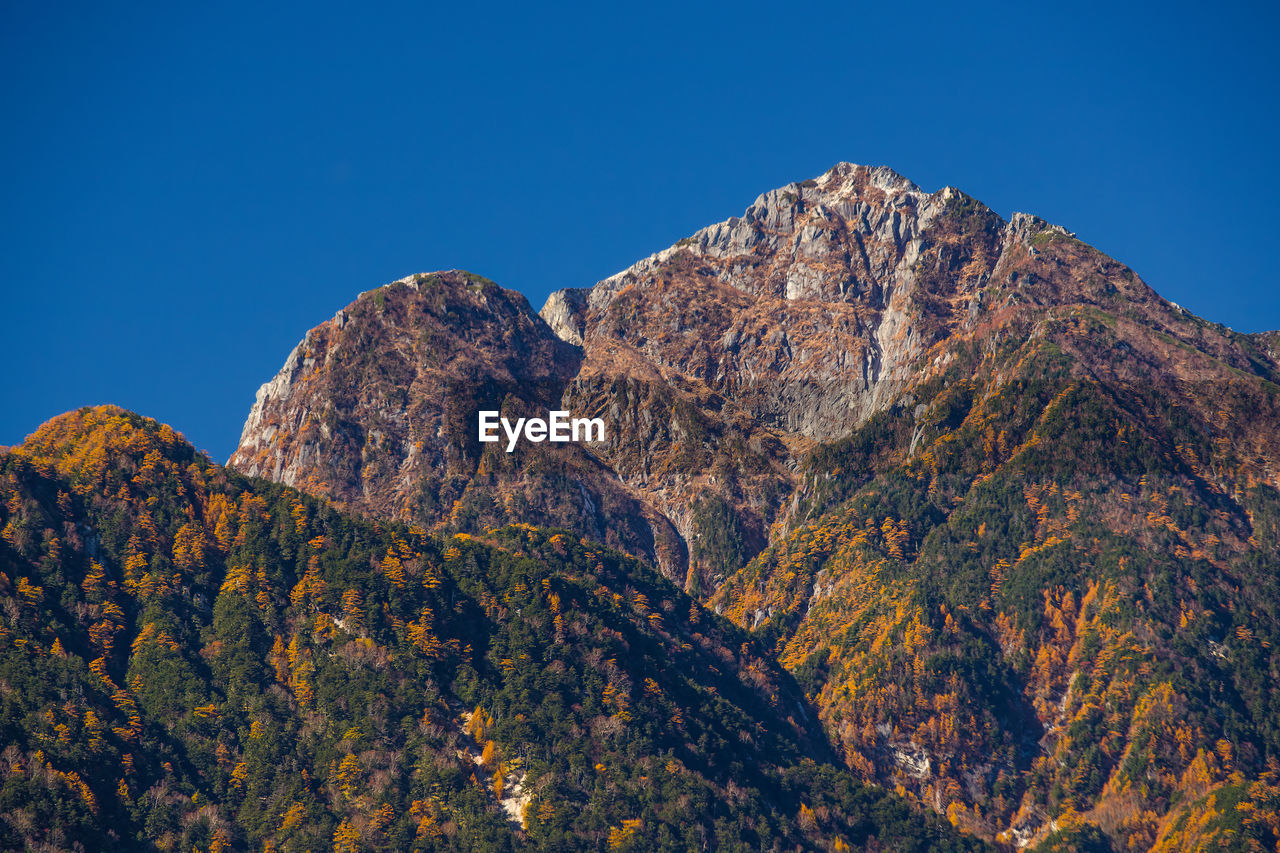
348	774
620	837
346	839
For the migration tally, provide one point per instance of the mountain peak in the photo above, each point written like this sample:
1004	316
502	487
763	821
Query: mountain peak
451	284
846	197
883	178
79	444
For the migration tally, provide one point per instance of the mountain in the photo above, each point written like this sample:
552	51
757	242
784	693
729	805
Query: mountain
190	659
1030	579
756	340
983	519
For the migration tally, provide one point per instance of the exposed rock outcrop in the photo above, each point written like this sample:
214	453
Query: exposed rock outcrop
377	410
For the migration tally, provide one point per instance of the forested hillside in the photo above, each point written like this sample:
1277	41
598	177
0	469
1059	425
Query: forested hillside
190	659
1043	597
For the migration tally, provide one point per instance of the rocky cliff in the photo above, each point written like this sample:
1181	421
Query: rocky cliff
377	410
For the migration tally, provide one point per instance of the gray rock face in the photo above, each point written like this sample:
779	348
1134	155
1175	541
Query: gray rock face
833	265
563	312
784	327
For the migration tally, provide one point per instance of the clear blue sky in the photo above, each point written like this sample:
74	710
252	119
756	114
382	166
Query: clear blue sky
189	187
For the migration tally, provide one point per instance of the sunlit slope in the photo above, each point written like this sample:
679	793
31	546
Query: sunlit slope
1041	591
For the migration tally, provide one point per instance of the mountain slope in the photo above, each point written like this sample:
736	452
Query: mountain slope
191	659
1040	597
1007	514
1026	565
756	339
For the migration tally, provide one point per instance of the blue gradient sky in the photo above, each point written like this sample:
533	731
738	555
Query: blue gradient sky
188	190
